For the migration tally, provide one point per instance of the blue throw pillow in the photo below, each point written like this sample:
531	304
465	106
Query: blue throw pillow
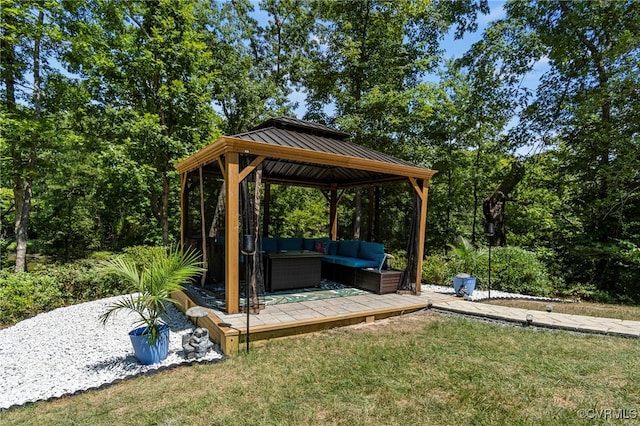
348	248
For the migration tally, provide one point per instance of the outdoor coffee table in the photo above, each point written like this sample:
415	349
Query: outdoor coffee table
288	270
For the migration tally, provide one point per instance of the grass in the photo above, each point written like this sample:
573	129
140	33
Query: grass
622	312
416	369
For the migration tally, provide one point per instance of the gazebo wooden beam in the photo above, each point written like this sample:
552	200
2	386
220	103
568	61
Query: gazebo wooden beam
327	186
333	214
232	229
228	144
422	189
250	168
203	231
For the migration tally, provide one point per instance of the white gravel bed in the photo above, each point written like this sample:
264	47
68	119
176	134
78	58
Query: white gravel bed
68	350
479	295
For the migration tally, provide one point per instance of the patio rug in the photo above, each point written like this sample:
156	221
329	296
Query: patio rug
214	297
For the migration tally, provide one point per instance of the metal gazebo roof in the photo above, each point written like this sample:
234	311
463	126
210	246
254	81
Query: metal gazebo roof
308	154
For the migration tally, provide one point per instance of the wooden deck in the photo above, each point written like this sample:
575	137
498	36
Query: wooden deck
229	330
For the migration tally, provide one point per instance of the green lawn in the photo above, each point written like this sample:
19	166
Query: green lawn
417	369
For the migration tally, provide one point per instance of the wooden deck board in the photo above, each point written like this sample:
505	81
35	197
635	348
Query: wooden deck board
277	321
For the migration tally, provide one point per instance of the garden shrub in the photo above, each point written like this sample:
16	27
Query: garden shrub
51	286
513	270
399	260
436	269
82	280
23	295
143	255
517	270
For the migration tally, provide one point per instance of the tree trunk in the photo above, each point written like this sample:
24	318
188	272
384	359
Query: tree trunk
21	233
22	225
217	224
449	198
493	207
8	60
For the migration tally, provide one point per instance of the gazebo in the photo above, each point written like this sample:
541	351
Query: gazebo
290	151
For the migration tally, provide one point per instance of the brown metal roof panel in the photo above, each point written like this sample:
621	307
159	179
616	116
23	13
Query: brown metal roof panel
297	140
301	126
309	142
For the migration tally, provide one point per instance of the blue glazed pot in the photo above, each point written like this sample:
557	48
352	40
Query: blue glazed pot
148	353
465	281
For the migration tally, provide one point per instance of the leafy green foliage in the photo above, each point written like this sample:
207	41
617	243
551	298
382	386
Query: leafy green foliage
516	270
298	212
468	255
23	295
163	274
126	89
586	115
513	269
438	270
53	285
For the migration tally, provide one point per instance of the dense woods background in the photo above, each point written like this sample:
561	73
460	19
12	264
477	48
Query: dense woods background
101	98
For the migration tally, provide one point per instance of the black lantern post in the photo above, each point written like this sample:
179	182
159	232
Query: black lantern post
248	249
490	231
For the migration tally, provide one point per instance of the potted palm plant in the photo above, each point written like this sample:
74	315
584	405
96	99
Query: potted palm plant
153	284
464	283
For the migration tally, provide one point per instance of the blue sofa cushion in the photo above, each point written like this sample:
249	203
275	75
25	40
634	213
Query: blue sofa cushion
290	244
269	244
352	262
308	244
331	248
372	251
348	248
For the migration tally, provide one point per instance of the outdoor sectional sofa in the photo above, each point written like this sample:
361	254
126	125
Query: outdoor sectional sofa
349	253
353	262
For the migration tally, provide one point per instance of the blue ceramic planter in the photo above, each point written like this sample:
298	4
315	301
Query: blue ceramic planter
148	353
466	281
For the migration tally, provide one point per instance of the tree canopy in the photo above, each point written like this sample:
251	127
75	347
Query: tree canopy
99	100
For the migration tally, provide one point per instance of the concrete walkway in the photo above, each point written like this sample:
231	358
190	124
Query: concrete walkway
579	323
324	310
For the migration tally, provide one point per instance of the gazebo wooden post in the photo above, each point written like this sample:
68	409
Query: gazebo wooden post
183	208
203	232
266	219
422	188
333	213
370	214
232	228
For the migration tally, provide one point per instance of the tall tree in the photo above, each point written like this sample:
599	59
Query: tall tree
28	40
257	64
462	125
148	62
371	57
586	107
